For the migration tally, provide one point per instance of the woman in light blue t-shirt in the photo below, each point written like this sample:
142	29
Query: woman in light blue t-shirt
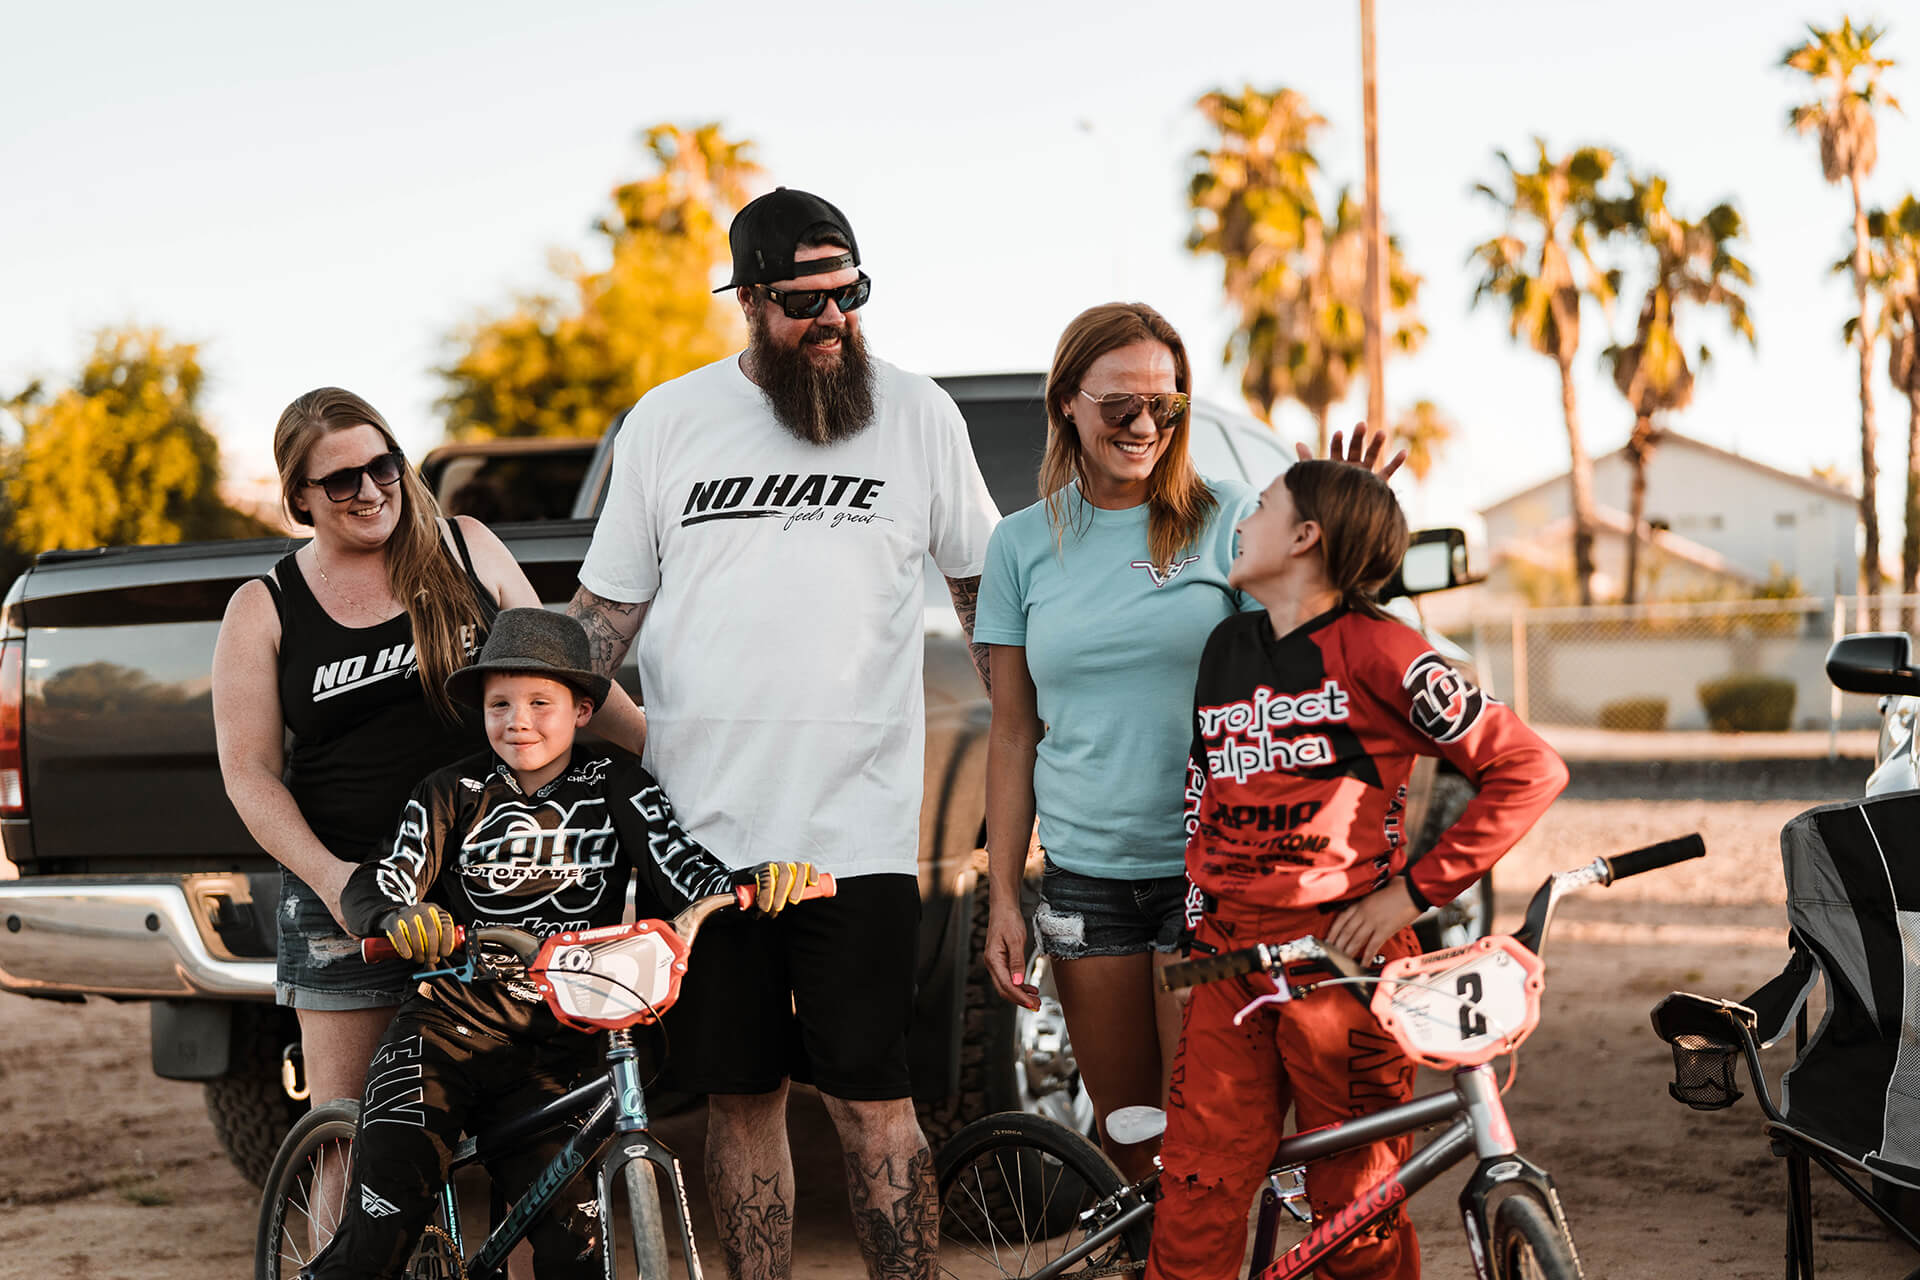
1096	603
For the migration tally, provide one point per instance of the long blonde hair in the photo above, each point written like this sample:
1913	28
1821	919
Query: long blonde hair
1178	500
441	604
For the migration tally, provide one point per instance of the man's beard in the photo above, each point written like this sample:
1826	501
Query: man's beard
820	404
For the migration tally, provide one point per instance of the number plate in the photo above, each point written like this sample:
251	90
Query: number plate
611	977
1463	1006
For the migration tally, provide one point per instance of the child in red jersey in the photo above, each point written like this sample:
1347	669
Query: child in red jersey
1308	719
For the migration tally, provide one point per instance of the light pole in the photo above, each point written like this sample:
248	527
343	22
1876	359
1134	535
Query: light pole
1375	309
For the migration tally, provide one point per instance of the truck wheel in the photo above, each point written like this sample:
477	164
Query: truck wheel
250	1110
1010	1059
1470	915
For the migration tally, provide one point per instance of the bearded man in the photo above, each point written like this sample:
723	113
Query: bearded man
768	517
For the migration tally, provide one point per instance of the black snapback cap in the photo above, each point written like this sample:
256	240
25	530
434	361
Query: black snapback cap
765	233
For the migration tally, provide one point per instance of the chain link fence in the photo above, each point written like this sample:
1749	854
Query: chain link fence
1680	666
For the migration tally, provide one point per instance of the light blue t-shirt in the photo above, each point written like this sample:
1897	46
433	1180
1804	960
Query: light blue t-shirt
1113	644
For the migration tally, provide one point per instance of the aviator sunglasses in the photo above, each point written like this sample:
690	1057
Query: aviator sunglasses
1120	408
805	304
344	484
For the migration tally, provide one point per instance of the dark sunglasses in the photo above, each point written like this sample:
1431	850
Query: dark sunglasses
805	304
342	485
1120	408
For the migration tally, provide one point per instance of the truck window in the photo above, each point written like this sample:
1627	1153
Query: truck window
1009	435
503	488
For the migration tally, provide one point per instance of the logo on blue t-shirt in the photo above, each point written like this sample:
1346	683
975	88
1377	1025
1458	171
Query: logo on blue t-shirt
1162	579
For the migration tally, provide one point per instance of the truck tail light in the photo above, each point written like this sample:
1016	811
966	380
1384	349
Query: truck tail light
13	791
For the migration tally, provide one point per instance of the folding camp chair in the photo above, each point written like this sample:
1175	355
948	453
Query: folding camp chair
1850	1103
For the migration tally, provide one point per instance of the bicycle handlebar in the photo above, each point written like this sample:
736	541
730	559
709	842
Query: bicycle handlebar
1655	856
1275	956
377	948
1265	955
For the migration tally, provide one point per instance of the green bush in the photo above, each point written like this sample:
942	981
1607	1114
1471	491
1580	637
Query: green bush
1748	704
1647	715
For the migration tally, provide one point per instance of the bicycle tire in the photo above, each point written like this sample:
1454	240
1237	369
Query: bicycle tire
323	1136
1018	1190
1528	1243
647	1220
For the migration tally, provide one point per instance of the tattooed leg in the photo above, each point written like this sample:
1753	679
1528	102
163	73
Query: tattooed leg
896	1211
750	1183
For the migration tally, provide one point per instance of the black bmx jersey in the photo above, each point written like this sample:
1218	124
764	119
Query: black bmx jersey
561	858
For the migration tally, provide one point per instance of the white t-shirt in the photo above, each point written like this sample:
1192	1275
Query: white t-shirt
781	657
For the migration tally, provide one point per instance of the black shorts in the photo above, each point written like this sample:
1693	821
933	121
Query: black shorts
821	993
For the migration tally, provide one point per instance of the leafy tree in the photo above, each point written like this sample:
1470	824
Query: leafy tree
1297	278
122	456
1692	264
566	365
1424	431
1551	213
1846	73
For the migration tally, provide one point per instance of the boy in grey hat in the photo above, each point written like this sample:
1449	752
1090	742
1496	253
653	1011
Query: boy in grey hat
532	834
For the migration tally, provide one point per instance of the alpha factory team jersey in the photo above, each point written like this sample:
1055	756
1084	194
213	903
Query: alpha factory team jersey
472	841
1302	747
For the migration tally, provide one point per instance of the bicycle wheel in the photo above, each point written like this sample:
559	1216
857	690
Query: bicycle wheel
1528	1244
306	1191
645	1216
1017	1191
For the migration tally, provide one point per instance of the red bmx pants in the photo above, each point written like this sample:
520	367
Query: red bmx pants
1324	1056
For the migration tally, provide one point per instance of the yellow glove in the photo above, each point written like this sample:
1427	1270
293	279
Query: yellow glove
422	932
778	884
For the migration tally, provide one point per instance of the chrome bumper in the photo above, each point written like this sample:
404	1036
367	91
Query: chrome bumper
87	936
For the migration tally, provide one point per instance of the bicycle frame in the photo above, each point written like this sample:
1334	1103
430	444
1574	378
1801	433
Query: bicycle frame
1479	1126
618	1120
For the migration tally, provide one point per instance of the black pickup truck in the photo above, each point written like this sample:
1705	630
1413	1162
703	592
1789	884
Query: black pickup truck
127	874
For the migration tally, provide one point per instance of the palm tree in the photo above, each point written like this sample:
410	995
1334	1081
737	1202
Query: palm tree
1894	271
1846	73
1252	193
1309	340
1693	263
1297	279
1530	267
1424	431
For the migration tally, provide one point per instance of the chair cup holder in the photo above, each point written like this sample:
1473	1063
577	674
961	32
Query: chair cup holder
1703	1073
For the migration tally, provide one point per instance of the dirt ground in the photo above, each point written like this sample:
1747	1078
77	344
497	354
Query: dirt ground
107	1171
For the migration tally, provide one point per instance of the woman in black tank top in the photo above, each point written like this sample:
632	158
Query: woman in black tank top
327	647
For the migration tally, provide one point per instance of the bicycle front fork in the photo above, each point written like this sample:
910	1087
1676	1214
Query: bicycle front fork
632	1142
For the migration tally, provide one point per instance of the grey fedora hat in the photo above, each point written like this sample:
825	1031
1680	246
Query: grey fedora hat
532	642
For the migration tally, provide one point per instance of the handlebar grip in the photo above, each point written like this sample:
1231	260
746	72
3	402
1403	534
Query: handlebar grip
1655	856
822	887
377	948
1191	973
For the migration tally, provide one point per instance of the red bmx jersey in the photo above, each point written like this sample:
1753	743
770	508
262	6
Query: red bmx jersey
1297	784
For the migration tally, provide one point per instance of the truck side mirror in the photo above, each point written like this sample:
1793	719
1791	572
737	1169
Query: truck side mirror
1436	560
1877	662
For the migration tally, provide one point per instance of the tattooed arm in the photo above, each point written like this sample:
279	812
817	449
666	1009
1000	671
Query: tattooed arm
966	603
611	626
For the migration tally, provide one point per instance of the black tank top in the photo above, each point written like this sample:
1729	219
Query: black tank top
363	732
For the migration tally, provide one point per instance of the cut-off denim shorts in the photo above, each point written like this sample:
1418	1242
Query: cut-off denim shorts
319	965
1082	916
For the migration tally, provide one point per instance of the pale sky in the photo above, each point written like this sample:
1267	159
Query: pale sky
319	194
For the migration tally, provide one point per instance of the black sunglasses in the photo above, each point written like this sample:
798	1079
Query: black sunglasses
342	485
805	304
1120	408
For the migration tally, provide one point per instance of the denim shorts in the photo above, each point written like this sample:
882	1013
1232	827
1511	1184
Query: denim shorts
319	964
1083	916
